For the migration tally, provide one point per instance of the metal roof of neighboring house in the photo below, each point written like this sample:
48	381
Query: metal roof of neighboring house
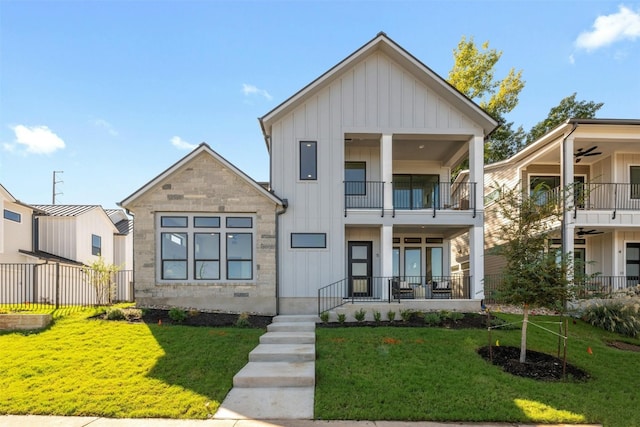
66	210
125	226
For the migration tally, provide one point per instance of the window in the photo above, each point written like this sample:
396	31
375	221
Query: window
12	216
96	245
198	247
415	191
174	256
239	222
308	161
634	176
206	256
540	187
355	176
239	256
308	240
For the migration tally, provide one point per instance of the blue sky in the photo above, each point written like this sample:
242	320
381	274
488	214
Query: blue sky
114	92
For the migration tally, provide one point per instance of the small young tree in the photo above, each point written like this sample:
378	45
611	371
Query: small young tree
100	275
533	276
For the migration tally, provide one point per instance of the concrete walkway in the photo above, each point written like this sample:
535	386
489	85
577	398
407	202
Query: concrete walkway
279	380
40	421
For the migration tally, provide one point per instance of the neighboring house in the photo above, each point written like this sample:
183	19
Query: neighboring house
205	237
80	233
598	160
364	156
16	234
123	239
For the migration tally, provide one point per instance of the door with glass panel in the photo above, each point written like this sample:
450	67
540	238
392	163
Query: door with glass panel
633	264
360	269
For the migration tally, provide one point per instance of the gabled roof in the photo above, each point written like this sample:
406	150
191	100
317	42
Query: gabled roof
385	44
559	131
202	148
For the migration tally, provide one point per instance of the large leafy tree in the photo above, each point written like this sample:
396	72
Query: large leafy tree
473	74
568	108
534	276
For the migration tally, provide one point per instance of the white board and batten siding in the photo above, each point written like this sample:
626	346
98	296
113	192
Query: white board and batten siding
374	96
70	237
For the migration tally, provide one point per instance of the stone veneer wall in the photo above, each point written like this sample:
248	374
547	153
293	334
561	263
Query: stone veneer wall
206	185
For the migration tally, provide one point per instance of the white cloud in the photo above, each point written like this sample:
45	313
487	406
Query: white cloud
181	144
249	90
101	123
36	140
608	29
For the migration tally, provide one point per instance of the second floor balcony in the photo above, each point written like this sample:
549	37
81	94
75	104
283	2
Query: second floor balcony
409	195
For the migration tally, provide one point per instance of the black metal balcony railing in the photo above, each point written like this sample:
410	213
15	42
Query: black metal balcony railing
435	196
392	289
607	196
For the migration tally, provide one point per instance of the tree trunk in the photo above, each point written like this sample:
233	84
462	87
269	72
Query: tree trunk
523	338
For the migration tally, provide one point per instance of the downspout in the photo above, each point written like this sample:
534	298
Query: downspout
285	205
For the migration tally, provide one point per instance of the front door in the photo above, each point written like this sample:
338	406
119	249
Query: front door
360	269
633	263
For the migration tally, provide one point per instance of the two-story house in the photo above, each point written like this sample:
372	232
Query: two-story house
16	234
592	167
364	155
359	208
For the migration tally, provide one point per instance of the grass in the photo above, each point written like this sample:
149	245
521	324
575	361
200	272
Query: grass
115	369
389	373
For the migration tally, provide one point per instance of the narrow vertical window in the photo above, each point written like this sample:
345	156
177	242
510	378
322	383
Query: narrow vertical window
308	161
355	176
239	256
96	245
173	253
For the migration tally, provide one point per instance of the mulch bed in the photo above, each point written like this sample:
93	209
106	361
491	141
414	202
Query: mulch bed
469	321
193	318
538	366
624	346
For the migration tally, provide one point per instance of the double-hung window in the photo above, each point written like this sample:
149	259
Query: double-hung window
205	247
96	245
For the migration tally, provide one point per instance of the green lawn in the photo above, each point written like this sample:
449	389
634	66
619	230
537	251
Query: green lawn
389	373
115	369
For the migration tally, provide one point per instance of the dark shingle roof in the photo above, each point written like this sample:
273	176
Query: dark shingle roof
125	226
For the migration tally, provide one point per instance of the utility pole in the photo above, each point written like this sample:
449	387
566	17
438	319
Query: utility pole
54	194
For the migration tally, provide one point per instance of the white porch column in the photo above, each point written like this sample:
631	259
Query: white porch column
476	168
386	169
476	262
386	257
566	181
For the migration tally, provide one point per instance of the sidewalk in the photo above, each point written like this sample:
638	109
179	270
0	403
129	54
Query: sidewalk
55	421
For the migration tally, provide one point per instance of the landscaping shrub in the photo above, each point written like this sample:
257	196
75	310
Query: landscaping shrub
456	315
432	319
177	314
406	314
243	320
360	314
377	316
621	317
341	317
391	315
115	314
324	316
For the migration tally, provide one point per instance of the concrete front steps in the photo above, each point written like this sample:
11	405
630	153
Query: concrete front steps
279	380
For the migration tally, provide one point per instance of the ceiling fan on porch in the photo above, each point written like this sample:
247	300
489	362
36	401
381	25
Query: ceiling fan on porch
582	232
580	153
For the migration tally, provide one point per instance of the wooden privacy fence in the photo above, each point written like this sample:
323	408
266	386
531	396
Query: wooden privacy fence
56	285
